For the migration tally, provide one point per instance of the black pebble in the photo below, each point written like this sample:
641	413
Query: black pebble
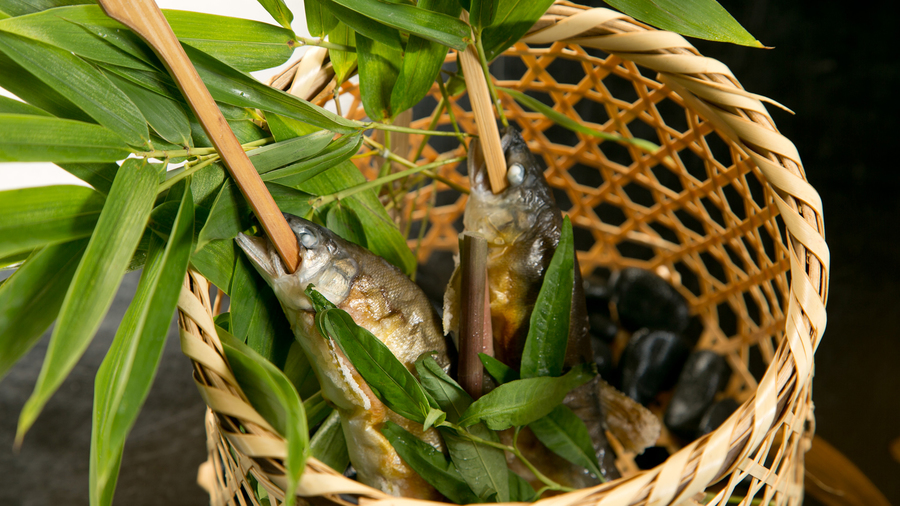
652	457
603	357
651	363
603	327
704	375
597	295
645	300
716	415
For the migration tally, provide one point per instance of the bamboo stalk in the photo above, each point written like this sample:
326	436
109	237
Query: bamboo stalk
474	317
480	97
145	19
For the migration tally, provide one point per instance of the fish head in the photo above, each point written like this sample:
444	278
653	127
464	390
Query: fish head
325	261
519	209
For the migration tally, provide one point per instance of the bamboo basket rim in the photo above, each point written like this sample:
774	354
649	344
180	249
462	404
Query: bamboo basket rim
781	405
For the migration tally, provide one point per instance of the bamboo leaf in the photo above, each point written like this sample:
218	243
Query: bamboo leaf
363	25
483	467
126	374
298	369
23	7
216	263
329	444
570	124
98	175
166	116
343	62
511	22
231	86
81	83
430	25
23	84
35	217
280	154
279	11
12	106
524	401
344	222
317	409
378	70
115	238
422	60
337	152
319	20
45	139
548	330
704	19
482	13
275	398
566	435
30	299
429	463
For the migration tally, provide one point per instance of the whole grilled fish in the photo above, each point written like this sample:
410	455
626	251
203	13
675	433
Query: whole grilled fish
522	226
379	298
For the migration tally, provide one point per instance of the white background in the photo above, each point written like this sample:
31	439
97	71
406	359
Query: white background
23	175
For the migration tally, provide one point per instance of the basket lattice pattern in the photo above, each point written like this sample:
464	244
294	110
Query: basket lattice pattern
722	209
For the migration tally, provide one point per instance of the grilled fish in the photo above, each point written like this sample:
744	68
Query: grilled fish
522	226
382	300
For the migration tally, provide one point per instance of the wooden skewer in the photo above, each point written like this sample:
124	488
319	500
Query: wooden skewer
144	18
475	334
480	97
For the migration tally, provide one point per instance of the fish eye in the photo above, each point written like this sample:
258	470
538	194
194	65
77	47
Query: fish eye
308	240
516	174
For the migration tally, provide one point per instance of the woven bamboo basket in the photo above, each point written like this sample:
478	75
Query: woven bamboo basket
722	208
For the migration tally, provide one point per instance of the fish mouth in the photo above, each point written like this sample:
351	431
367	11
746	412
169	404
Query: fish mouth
263	256
511	141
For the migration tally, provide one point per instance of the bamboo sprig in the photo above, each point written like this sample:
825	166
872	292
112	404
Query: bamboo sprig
307	41
178	153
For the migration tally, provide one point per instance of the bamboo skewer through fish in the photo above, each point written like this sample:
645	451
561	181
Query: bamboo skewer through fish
145	19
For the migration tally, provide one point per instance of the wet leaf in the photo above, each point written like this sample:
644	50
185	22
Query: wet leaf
115	238
566	435
704	19
523	401
126	374
548	330
46	139
429	463
329	444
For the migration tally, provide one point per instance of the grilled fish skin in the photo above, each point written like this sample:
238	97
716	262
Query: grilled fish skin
379	298
522	226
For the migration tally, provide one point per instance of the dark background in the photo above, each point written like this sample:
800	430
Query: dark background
834	64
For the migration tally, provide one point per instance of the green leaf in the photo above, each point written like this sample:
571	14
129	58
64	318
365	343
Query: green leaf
23	84
319	20
13	106
548	331
166	116
422	60
519	489
23	7
45	139
430	25
429	463
98	175
115	238
81	83
298	369
449	396
344	222
216	262
482	13
241	43
298	173
378	69
566	435
570	124
704	19
279	11
482	466
126	374
317	409
274	397
35	217
388	378
231	86
362	25
329	444
256	315
279	154
524	401
30	299
512	21
245	131
501	372
343	62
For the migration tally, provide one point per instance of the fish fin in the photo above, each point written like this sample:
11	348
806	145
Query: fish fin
631	423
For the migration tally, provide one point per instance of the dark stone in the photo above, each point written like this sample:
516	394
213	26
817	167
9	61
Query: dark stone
603	357
602	327
651	363
597	295
704	375
652	457
645	300
715	415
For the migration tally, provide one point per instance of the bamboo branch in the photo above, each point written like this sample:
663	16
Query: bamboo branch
474	314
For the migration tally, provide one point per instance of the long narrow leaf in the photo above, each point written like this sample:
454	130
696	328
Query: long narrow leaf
280	154
35	217
99	175
23	84
363	25
256	315
704	19
336	153
108	253
446	392
319	20
566	435
378	69
45	139
548	330
279	11
343	62
482	466
482	13
166	116
216	263
81	83
124	378
511	21
329	444
12	106
31	298
23	7
430	25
